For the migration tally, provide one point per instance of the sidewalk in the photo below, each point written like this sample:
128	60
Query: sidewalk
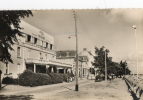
17	89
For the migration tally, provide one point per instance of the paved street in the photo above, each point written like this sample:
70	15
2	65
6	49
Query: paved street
89	90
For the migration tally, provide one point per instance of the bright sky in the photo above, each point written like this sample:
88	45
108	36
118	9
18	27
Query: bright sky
110	28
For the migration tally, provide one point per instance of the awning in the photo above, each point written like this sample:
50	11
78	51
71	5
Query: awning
48	62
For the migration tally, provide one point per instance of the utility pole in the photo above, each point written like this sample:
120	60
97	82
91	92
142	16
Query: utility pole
0	80
135	28
105	67
76	35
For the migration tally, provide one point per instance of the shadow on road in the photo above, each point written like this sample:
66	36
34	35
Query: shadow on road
16	97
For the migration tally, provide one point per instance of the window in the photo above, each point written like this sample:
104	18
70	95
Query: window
51	46
41	57
63	54
72	53
35	40
46	56
28	38
18	52
40	42
58	54
46	45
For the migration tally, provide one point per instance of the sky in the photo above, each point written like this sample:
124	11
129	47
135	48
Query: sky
111	28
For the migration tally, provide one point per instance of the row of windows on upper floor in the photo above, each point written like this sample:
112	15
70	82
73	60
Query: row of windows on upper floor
38	42
42	55
65	54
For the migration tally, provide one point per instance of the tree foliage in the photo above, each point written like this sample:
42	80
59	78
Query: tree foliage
99	59
9	30
124	67
113	68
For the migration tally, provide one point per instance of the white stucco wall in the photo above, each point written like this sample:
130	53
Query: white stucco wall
28	51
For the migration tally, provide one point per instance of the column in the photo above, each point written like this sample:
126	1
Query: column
58	69
23	60
34	68
64	70
47	68
52	69
83	72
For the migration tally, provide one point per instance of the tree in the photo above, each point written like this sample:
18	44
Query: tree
99	59
125	69
9	30
113	68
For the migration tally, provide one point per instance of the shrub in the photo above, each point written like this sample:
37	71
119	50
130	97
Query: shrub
28	78
56	77
9	80
65	77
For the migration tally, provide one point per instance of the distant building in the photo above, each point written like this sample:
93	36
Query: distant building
69	56
34	51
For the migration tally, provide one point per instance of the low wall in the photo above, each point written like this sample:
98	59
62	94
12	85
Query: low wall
135	87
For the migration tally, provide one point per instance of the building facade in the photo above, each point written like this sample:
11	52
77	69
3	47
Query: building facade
34	51
69	56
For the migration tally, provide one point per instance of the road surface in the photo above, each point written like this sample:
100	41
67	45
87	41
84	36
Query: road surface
88	90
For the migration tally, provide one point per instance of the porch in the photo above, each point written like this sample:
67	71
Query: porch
48	66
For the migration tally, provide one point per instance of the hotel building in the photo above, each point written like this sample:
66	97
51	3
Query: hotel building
34	51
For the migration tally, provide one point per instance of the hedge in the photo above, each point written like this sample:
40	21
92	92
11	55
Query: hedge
28	78
9	80
56	78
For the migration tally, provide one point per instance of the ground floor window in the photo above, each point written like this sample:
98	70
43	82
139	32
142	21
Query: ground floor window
61	70
30	67
40	68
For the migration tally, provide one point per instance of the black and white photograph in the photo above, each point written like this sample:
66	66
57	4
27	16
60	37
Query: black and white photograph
71	54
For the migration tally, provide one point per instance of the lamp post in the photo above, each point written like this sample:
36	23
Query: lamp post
76	35
135	28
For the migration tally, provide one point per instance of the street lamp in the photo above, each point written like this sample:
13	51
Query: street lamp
76	35
135	28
